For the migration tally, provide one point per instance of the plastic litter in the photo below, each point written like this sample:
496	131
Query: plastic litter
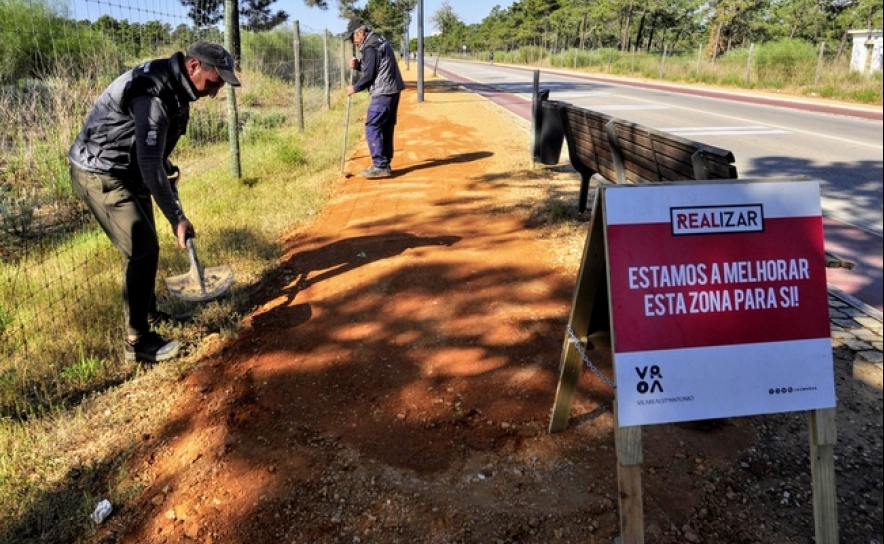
102	511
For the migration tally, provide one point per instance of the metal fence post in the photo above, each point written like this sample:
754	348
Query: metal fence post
299	94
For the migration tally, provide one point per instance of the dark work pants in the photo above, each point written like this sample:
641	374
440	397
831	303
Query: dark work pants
380	121
128	221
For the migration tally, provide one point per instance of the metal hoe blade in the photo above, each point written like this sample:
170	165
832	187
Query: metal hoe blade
200	284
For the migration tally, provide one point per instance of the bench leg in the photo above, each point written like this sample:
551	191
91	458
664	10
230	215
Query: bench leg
584	192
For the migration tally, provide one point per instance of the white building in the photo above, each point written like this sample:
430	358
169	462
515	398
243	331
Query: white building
867	51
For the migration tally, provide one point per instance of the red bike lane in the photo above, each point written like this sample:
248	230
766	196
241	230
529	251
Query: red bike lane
862	286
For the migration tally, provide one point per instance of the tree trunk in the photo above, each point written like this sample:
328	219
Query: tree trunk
638	34
842	46
653	31
624	39
727	36
715	43
583	32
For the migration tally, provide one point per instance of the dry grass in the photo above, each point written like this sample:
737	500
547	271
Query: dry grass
72	409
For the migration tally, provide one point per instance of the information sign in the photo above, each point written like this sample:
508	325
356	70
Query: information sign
718	297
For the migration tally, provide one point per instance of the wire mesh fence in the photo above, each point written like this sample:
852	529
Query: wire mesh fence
59	276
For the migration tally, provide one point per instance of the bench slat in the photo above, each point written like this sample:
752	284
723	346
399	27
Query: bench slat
647	154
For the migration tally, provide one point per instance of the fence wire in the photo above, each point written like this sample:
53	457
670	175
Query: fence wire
59	276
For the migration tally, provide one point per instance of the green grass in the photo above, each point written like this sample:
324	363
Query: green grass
62	374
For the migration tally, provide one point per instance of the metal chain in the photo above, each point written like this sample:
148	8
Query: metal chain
586	360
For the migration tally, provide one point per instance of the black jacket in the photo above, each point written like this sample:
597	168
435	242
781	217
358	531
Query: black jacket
134	127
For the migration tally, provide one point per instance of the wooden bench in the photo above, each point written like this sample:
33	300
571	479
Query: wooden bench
626	152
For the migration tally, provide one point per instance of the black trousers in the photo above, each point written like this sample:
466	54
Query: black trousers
128	220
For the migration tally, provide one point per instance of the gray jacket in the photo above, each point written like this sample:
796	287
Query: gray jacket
134	127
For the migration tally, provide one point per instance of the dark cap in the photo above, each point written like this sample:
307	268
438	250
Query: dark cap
217	57
354	25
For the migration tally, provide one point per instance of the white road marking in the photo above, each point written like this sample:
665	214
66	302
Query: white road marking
604	107
794	131
576	94
614	107
723	131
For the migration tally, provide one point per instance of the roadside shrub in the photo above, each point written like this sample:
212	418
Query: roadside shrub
870	96
734	60
571	58
257	126
778	63
290	153
529	54
272	54
23	54
206	127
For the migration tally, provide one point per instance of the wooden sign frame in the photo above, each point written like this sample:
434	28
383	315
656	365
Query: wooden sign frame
590	314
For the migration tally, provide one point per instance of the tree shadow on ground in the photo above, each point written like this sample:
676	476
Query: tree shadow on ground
333	259
435	163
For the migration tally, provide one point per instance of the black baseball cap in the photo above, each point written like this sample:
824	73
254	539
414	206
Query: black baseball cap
354	25
217	57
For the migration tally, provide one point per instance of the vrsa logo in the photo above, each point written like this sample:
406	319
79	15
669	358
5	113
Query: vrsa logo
717	219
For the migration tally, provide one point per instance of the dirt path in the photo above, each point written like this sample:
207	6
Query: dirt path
395	384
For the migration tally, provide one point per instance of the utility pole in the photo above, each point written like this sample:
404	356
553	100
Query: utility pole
420	50
406	49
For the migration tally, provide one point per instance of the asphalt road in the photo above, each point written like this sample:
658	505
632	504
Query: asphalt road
770	136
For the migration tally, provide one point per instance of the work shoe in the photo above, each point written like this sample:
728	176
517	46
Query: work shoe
152	347
377	172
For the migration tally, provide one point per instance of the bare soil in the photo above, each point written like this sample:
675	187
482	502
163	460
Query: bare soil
395	381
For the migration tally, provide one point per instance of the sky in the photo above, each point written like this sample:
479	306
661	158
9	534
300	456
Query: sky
309	19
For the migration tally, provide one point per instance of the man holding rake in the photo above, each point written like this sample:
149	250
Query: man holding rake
381	76
120	166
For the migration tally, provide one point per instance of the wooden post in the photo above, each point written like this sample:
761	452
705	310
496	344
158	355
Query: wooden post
628	441
663	61
325	69
819	66
299	96
344	64
749	64
590	279
823	434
